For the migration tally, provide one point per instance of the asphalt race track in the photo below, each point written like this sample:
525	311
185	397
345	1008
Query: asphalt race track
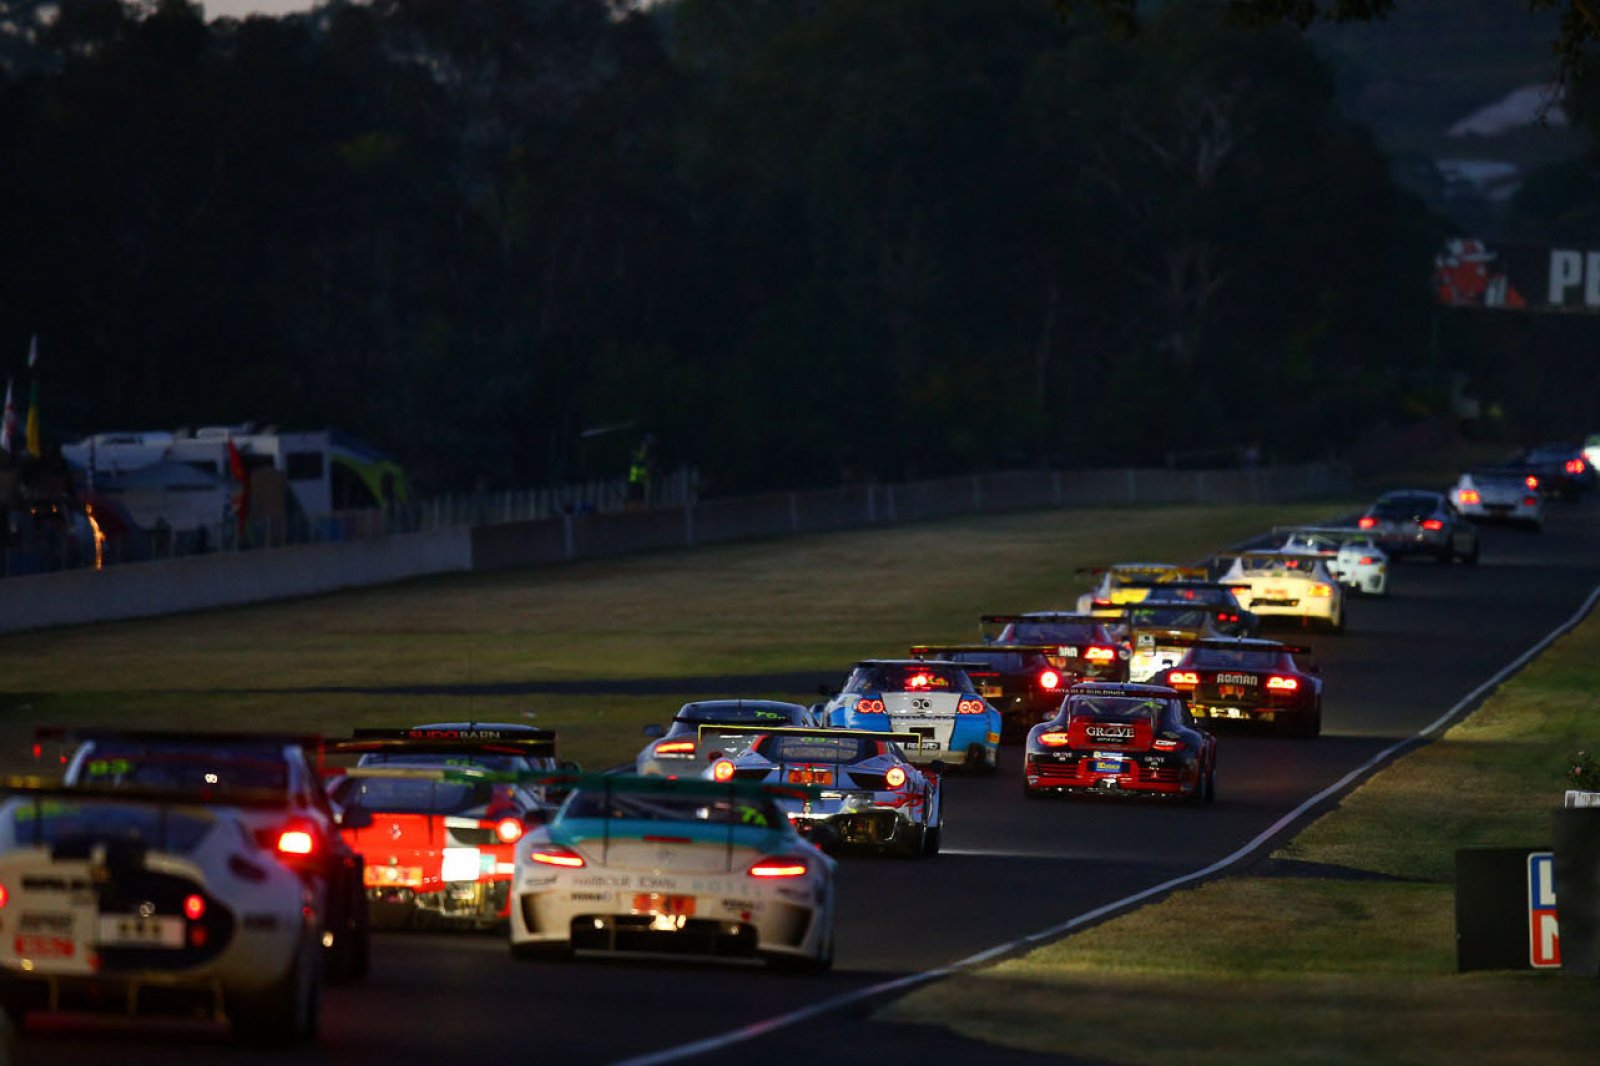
1010	868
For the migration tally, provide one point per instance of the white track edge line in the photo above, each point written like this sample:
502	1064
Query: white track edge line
845	999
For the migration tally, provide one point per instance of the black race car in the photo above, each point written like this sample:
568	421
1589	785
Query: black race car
1249	681
1018	680
1121	740
1561	469
1082	647
1227	618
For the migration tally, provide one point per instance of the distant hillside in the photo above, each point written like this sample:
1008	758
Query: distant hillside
1433	64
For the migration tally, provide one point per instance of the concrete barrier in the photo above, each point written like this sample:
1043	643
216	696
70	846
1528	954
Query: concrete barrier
199	582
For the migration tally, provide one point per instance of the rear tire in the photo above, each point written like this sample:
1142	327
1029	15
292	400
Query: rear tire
932	840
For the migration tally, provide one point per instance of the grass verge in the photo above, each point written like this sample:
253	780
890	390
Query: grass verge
1354	964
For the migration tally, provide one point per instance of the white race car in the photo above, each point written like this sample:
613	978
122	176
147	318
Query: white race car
1122	583
152	903
1351	555
676	865
1500	495
1283	585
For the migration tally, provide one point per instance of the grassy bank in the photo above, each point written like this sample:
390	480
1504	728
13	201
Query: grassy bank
1342	949
803	604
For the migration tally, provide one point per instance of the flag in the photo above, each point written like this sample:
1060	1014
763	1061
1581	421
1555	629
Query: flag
33	421
241	499
8	426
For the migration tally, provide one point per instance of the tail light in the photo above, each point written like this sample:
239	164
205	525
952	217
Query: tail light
675	747
1049	680
194	907
970	706
1054	739
896	777
556	855
1321	591
1283	684
1183	679
1432	525
1531	481
1530	501
5	896
722	770
1226	618
1366	521
1366	560
297	842
1574	466
866	705
1100	655
1167	745
1470	496
1100	603
508	830
780	866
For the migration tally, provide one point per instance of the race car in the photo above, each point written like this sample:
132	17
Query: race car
1249	681
148	902
872	796
1019	680
443	807
1562	469
1500	494
1085	648
1419	522
1351	555
1284	585
1122	583
1121	740
1228	616
936	700
678	866
675	750
301	829
1160	632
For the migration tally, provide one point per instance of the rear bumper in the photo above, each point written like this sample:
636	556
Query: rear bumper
1079	776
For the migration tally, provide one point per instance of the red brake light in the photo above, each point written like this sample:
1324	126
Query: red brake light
1283	684
296	842
1531	481
508	830
722	770
1574	466
675	747
919	681
1167	745
1049	680
1433	525
1183	679
1367	560
1366	521
785	866
194	907
556	855
896	777
969	707
1100	655
1470	496
5	896
870	706
1054	739
1530	501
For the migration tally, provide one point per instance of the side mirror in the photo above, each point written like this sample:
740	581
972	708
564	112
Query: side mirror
354	816
654	731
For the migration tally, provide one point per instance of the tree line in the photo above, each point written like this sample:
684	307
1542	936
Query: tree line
800	241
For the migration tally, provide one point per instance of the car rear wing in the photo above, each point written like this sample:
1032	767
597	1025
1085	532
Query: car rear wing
679	786
712	730
79	734
935	651
1252	645
530	743
39	789
1038	616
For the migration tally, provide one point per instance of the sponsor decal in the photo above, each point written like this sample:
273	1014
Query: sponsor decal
1238	679
1109	732
589	897
1544	938
603	880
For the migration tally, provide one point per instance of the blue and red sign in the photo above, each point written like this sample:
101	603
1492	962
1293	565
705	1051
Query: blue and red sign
1544	940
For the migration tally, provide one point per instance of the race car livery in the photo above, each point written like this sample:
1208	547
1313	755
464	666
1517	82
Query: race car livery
1284	585
871	795
1351	555
145	901
1085	648
675	865
1021	681
935	700
675	751
1500	495
435	811
1420	522
1122	583
1160	632
1228	616
1249	681
301	829
1121	740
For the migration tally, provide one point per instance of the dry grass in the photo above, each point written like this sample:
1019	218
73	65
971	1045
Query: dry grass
1274	970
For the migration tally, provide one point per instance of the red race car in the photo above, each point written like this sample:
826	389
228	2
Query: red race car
436	811
1249	681
1122	740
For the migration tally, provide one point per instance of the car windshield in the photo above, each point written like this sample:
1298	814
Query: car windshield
914	677
1185	595
1404	506
667	807
59	822
185	767
1178	616
818	749
1121	708
737	714
404	795
1052	633
1278	564
1233	659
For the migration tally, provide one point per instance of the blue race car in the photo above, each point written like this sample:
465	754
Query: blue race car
935	700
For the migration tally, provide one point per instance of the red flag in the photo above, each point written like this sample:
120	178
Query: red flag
241	499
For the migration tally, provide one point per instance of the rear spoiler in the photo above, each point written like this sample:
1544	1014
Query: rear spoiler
936	650
77	734
249	798
797	731
1184	583
681	786
1263	645
527	742
1042	616
1327	531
